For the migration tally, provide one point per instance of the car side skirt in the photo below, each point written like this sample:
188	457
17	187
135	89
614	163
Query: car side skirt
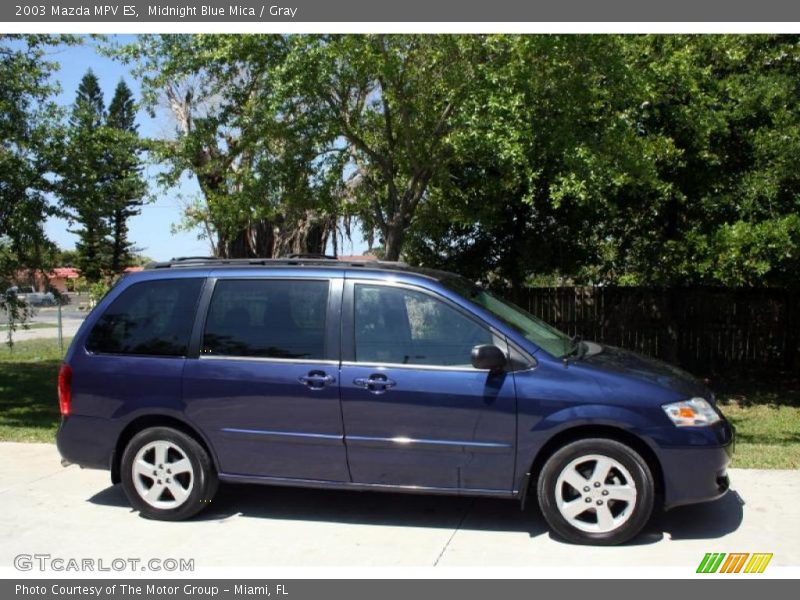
365	487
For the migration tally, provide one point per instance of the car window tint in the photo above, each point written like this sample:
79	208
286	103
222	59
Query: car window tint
401	326
267	318
149	318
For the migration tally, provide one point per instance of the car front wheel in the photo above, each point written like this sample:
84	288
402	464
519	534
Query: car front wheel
596	491
167	474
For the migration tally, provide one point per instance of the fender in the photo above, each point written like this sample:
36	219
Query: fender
574	419
594	414
166	415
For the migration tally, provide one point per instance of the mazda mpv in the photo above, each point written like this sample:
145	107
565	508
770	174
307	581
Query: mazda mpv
376	376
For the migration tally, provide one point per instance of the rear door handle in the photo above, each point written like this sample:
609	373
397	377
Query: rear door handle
316	380
376	384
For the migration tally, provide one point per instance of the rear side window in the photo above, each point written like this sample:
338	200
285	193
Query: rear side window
402	326
267	318
149	318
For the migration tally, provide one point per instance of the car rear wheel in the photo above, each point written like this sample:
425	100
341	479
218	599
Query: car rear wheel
596	491
167	475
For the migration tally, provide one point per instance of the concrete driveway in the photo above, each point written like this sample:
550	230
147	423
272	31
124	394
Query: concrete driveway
71	512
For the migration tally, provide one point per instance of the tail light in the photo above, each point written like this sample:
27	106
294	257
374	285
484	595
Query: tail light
65	389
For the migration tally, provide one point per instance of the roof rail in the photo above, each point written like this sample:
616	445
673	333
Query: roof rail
182	258
311	255
291	260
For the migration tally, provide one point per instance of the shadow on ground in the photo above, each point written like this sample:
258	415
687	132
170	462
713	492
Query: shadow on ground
704	521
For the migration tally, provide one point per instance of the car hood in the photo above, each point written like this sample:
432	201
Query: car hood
647	369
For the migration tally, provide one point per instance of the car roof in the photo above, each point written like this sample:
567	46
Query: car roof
317	262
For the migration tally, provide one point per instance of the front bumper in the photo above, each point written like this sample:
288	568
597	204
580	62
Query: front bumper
697	473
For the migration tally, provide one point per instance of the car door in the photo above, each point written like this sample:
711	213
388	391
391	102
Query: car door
264	387
416	413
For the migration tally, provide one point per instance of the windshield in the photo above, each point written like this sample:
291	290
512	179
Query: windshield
537	331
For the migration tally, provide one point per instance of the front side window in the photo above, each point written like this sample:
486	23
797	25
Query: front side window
402	326
149	318
537	331
267	319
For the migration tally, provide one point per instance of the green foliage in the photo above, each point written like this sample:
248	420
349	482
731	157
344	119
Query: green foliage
28	126
747	254
545	143
65	258
125	186
388	105
264	188
657	160
140	260
82	177
15	314
100	184
28	121
633	160
97	290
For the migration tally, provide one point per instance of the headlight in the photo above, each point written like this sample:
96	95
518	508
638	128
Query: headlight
696	412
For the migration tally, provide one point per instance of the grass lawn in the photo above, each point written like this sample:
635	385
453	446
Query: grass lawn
28	400
766	414
767	420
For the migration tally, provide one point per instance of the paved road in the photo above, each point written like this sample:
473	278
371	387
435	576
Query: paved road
74	512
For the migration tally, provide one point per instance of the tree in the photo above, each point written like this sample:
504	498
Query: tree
652	160
391	103
721	205
264	189
83	177
65	258
124	184
655	160
541	145
28	119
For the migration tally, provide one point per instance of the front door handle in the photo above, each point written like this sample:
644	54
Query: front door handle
316	380
376	384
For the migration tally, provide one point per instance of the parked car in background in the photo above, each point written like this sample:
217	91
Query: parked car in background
31	297
376	376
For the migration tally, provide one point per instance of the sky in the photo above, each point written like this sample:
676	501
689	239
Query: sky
152	230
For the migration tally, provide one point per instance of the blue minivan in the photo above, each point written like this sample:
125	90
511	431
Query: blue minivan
376	376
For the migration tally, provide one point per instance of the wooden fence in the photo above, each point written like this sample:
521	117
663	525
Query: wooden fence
704	330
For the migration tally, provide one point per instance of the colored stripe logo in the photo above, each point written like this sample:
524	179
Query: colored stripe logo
734	562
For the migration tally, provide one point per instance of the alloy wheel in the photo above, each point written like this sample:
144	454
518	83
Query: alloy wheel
162	474
595	493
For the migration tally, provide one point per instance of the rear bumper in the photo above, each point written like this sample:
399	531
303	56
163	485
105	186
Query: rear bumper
87	441
698	473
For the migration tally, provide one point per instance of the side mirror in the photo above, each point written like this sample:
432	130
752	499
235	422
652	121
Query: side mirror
488	356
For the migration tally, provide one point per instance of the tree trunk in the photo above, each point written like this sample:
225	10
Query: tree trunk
255	240
117	244
263	239
316	238
393	239
90	250
237	246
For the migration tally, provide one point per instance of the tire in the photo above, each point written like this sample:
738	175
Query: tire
179	479
617	506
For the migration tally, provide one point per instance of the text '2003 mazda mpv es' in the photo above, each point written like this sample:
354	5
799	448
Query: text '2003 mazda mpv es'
376	376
